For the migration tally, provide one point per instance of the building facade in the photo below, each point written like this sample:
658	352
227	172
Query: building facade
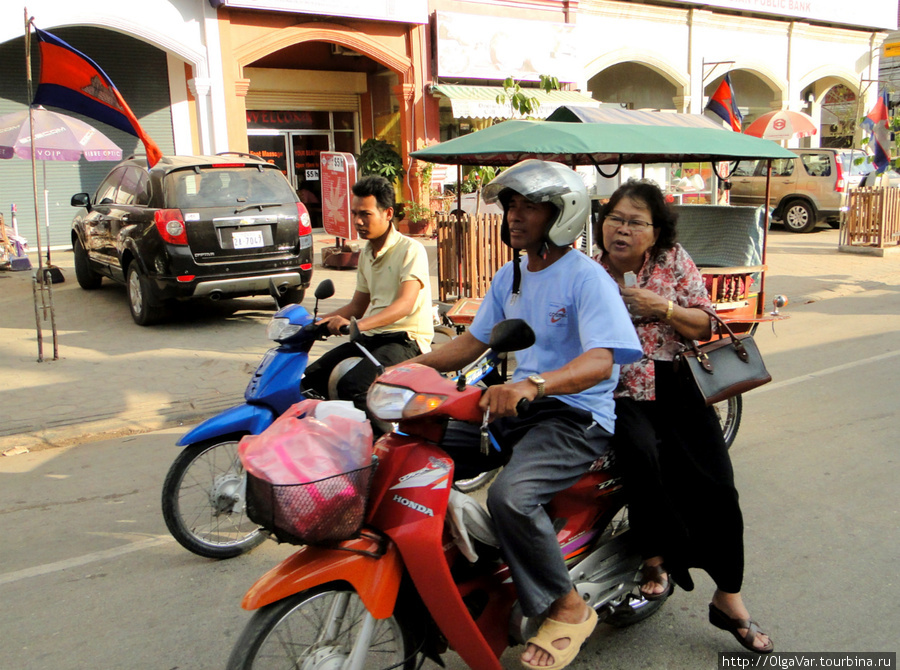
287	79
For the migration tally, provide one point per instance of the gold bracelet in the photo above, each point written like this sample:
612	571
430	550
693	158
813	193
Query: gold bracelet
670	310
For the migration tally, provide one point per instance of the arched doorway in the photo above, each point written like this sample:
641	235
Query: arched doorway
634	86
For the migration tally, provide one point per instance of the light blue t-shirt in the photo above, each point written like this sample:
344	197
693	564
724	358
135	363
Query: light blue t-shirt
572	306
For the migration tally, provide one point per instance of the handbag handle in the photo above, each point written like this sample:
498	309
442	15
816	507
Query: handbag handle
739	349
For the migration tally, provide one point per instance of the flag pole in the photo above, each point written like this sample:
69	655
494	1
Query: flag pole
43	286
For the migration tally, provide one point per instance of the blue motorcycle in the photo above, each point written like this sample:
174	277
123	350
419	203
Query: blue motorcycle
203	493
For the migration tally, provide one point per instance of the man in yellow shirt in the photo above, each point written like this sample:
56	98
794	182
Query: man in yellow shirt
392	301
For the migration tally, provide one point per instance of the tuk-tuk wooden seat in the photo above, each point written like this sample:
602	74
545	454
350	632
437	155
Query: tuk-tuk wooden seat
726	244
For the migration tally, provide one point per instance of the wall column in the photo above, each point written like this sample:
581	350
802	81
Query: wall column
200	87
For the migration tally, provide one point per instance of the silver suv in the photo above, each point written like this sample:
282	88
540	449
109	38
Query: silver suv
803	190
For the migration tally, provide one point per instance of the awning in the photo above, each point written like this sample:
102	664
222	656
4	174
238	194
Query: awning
480	102
610	114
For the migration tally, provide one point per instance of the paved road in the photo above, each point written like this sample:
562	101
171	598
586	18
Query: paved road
89	577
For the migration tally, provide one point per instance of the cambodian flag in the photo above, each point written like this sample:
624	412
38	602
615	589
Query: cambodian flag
723	104
72	81
877	123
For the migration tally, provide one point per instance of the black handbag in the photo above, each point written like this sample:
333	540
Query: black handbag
725	367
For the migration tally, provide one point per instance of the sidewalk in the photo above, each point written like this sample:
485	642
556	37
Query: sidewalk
116	378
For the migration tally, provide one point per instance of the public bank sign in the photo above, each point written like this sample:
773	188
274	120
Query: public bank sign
880	14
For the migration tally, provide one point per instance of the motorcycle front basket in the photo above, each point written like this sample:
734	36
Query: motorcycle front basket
321	512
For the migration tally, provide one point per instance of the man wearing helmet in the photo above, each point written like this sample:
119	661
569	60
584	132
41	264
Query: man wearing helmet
582	334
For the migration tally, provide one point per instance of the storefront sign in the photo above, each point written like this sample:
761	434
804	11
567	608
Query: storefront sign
338	175
891	49
404	11
873	14
475	48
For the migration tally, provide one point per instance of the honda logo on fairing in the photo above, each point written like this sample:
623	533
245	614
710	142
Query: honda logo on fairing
414	505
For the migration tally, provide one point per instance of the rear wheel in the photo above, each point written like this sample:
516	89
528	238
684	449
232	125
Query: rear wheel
203	500
632	607
729	413
87	278
316	630
798	216
291	296
146	309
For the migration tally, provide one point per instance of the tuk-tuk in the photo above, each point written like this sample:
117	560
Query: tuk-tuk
727	243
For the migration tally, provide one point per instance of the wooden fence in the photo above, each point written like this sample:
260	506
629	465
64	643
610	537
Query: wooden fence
469	253
873	218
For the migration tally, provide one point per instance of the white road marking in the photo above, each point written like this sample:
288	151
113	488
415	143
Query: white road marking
821	373
58	566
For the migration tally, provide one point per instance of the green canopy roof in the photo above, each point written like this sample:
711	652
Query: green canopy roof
576	143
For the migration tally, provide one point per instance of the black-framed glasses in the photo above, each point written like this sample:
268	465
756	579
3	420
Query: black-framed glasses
614	221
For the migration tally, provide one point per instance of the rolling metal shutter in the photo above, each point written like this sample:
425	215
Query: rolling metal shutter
140	73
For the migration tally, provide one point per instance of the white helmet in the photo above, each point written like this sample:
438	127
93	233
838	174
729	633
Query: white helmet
544	181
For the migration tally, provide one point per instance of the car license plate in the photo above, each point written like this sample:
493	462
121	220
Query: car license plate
247	239
306	242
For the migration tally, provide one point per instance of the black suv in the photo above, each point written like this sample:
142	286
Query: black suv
193	227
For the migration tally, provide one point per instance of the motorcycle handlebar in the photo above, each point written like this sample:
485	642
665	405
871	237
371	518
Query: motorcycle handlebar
522	406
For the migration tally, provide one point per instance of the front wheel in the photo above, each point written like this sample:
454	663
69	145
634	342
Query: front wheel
84	273
203	500
729	413
317	630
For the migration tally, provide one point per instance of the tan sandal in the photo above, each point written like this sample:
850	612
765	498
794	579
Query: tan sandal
552	630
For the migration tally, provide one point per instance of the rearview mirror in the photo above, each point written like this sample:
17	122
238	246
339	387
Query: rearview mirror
81	200
511	335
324	290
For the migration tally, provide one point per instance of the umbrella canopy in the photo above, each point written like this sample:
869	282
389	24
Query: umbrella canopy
573	143
57	137
782	125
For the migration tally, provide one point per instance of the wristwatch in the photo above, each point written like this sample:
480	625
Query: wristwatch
538	381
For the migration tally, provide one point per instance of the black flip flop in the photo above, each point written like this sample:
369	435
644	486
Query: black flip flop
719	619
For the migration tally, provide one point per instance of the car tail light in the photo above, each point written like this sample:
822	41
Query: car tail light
839	173
305	225
170	224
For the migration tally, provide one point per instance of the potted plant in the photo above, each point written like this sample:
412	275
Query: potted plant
416	219
379	157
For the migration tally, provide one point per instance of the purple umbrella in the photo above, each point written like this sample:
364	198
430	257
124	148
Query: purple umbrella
57	137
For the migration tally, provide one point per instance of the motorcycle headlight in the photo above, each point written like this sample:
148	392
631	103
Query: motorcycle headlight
280	329
393	403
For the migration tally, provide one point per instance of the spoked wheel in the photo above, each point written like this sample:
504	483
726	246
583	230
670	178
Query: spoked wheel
203	500
442	335
631	607
317	630
729	413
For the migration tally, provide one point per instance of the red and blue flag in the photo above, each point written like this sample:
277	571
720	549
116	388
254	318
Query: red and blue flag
70	80
877	122
723	104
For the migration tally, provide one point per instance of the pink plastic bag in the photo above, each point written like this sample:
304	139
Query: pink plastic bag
298	448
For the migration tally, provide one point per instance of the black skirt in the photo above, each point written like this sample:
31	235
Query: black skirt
683	505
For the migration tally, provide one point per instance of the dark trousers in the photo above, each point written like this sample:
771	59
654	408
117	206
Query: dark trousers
387	348
545	451
683	504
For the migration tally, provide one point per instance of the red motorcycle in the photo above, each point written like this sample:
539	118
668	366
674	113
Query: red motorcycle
424	574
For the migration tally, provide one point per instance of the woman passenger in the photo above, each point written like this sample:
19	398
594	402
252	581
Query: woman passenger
683	504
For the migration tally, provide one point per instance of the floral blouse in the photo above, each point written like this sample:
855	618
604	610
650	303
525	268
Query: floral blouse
673	276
